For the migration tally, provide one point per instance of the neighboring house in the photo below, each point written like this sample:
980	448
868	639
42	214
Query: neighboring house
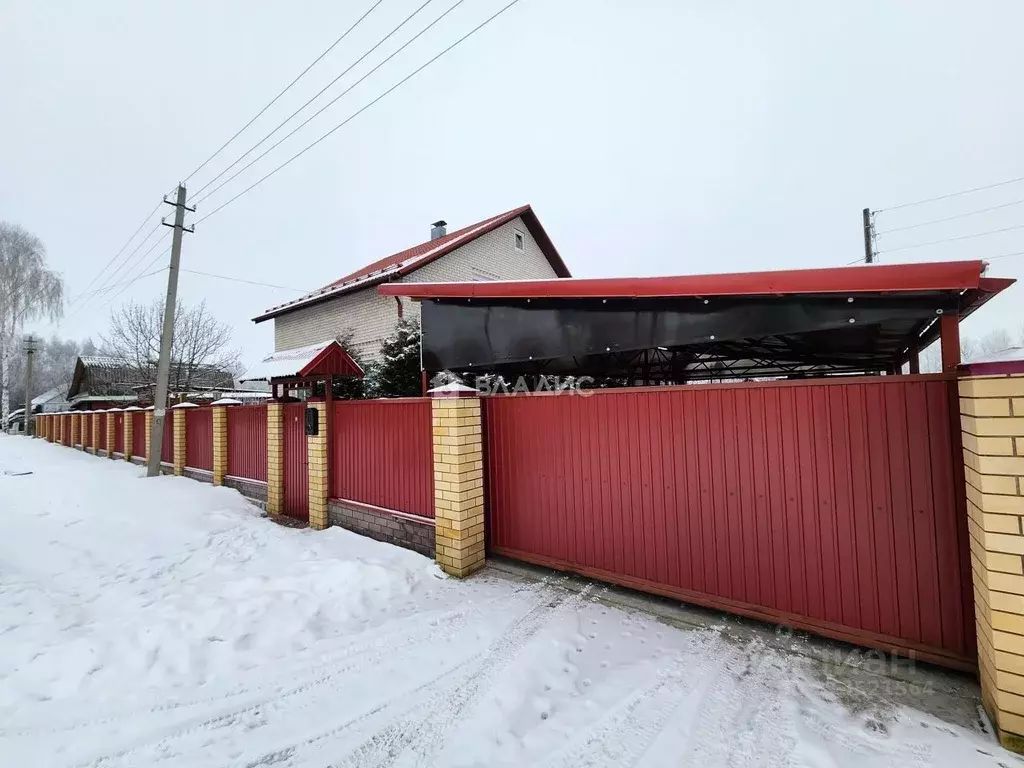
51	401
109	382
510	246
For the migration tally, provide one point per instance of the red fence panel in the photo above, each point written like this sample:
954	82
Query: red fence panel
167	446
247	441
101	443
382	454
67	430
118	431
139	447
827	504
199	438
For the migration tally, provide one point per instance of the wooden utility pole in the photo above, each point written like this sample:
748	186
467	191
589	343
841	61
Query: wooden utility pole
163	369
869	246
31	345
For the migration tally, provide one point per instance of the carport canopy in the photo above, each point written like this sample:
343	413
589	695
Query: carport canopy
801	323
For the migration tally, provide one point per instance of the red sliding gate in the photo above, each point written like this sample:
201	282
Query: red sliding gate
830	505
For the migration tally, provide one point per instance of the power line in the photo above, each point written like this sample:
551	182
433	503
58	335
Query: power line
127	242
360	111
240	280
317	96
952	194
120	268
109	288
1003	256
131	281
285	90
162	253
953	239
951	218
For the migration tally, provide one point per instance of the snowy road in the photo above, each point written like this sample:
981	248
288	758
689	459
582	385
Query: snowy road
162	622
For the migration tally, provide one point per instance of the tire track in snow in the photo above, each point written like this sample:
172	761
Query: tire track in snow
270	695
736	725
625	733
206	722
400	637
427	735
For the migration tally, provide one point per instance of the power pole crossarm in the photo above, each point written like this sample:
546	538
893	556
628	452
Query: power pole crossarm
163	369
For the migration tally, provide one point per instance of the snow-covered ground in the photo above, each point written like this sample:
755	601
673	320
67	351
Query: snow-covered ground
163	622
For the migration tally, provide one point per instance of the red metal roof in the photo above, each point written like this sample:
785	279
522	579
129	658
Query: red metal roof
402	263
874	278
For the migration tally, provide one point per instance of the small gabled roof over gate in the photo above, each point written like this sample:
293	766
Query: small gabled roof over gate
326	358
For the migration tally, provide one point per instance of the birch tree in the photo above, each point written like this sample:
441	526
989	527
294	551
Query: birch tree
29	290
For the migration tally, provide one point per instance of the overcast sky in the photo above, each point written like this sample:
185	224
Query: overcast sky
650	137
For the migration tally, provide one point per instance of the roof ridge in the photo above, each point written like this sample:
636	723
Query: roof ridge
399	261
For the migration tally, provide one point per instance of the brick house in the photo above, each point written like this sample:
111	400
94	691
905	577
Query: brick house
510	246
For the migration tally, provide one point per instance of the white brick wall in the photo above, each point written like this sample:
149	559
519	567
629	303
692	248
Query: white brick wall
371	316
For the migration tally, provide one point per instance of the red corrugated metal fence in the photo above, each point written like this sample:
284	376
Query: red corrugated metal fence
67	430
199	438
139	447
247	441
831	504
382	454
118	432
167	446
102	442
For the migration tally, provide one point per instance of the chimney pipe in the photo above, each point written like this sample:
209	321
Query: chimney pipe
438	229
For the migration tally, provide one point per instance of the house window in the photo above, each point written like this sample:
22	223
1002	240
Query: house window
520	240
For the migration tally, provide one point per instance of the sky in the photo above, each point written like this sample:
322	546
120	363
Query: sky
650	137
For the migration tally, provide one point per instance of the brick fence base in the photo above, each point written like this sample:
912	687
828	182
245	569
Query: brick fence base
201	475
381	526
251	489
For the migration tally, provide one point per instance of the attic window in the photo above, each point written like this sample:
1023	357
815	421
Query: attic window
520	240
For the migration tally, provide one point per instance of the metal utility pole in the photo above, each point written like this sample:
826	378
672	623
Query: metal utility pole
869	245
31	345
163	369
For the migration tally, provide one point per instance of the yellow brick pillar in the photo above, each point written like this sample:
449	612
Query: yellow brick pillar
992	423
220	443
94	418
149	431
129	430
112	415
275	458
178	418
316	461
458	479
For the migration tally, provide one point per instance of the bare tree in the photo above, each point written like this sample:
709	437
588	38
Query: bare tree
199	348
28	291
993	342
